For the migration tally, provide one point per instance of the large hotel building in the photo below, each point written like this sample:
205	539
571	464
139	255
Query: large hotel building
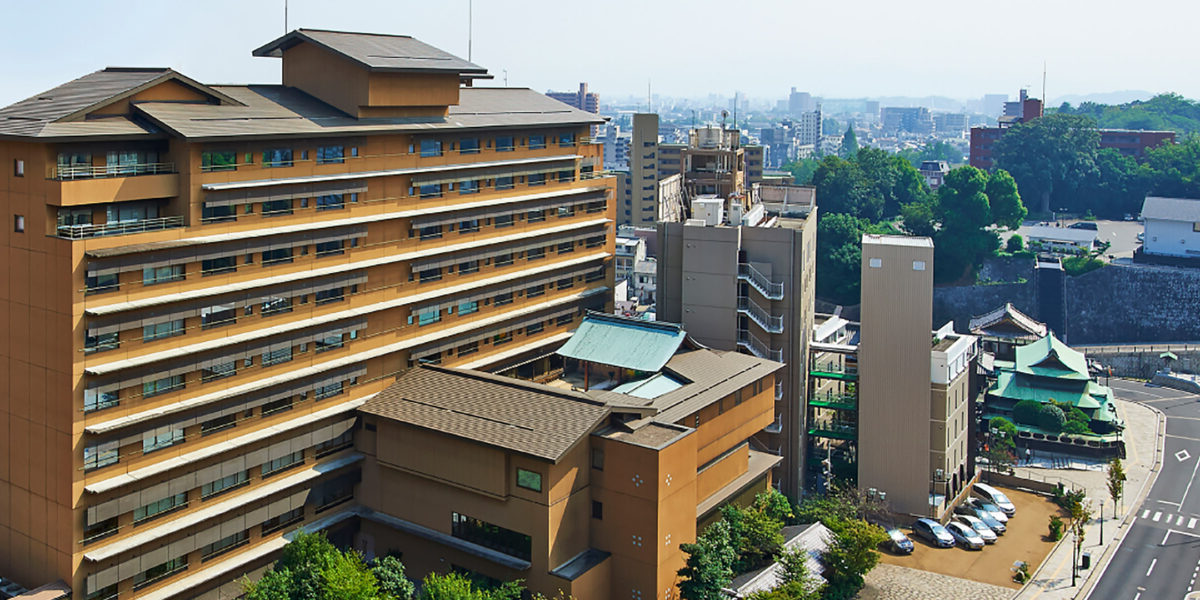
202	283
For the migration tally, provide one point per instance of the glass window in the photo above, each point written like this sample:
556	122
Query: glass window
162	386
225	264
566	176
504	143
92	533
468	348
217	214
278	255
564	320
332	295
536	216
430	275
331	202
468	307
502	299
218	371
428	317
534	328
535	253
598	459
277	406
224	544
431	232
537	179
277	207
95	400
535	291
218	161
537	142
565	283
431	147
503	221
163	437
218	424
276	304
529	480
287	518
471	186
431	191
470	266
468	226
101	342
274	357
331	342
504	183
330	248
329	155
566	139
102	283
503	337
215	316
228	482
596	275
100	455
159	331
504	260
159	571
153	275
468	146
566	211
565	247
491	536
277	157
282	463
322	392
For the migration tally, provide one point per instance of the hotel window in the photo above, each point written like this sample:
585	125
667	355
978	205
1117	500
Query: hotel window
218	161
282	463
217	214
504	143
466	308
157	572
327	391
331	155
598	459
273	208
468	348
594	242
470	186
19	223
157	508
566	247
159	331
274	357
218	424
470	266
331	202
597	510
429	275
94	400
503	221
278	255
287	518
566	211
565	283
100	455
213	266
276	406
596	275
534	328
566	176
504	260
431	191
330	295
431	147
215	316
564	320
504	183
101	283
332	342
468	146
218	371
19	166
485	534
277	157
224	544
101	342
163	437
535	291
537	179
162	386
468	226
275	305
502	299
535	253
153	275
428	317
330	248
566	139
431	232
501	338
536	216
529	480
537	142
228	482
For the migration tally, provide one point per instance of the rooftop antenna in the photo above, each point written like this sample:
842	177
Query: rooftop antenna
735	95
505	77
285	16
1045	100
470	26
649	102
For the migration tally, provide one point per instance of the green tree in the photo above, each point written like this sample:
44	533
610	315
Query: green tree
802	170
849	145
844	189
775	505
1051	418
963	240
852	554
389	572
755	537
1015	244
839	256
456	586
787	591
346	577
1026	412
708	568
793	567
894	180
1049	157
1007	209
311	568
1116	482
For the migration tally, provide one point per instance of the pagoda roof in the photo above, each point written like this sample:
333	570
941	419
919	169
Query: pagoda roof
1007	322
1095	399
1050	357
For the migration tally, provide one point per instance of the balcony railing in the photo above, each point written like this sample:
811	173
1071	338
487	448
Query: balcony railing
79	232
834	401
775	427
756	347
758	314
778	391
68	172
840	430
762	283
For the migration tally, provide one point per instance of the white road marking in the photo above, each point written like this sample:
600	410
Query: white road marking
1152	563
1189	485
1192	523
1136	596
1145	513
1182	455
1157	516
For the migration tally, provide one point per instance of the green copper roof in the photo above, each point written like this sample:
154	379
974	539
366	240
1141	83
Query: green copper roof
621	342
1049	357
651	388
1092	398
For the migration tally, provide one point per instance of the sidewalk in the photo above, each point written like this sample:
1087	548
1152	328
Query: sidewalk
1143	443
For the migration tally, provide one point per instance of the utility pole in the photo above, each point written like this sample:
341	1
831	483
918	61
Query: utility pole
471	26
285	16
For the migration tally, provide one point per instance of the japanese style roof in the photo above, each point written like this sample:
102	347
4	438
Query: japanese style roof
1171	209
1007	322
1092	398
1049	357
529	418
623	342
378	52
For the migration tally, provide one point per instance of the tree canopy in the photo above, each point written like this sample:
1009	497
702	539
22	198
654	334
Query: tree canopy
1049	157
1164	112
849	145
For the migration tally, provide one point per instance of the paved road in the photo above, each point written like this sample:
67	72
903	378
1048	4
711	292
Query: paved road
1160	556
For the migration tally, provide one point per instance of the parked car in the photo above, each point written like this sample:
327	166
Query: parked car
989	536
982	515
996	497
898	542
989	508
965	536
933	532
1089	225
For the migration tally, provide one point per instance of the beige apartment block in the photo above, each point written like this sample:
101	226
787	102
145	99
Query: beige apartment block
202	283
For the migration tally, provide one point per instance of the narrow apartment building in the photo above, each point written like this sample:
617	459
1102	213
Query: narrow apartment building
202	283
585	484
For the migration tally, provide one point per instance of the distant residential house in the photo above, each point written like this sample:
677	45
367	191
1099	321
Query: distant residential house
1062	239
1172	226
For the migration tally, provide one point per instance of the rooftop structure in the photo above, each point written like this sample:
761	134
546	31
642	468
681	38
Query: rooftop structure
1172	226
1003	329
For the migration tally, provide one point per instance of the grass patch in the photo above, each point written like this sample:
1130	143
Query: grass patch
1078	265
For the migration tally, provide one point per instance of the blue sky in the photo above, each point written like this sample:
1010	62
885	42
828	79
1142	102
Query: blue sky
838	48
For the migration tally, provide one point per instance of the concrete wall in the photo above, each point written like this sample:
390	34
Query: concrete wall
1173	238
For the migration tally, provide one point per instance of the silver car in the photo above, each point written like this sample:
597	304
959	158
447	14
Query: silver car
965	536
985	532
994	510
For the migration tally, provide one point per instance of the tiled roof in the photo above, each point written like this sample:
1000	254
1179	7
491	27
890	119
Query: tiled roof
511	414
1049	357
622	342
275	110
1010	315
378	52
1171	209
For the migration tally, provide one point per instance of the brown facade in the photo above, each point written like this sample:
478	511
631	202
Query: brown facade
194	319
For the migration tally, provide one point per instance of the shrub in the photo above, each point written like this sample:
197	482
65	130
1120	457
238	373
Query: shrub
1056	528
1051	419
1016	243
1026	412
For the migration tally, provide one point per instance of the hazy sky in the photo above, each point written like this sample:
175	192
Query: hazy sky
837	48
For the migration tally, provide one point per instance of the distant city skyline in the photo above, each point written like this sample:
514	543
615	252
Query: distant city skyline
759	49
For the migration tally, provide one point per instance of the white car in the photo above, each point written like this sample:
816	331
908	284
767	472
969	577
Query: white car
996	497
985	532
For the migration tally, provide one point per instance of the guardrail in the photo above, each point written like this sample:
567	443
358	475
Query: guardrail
70	172
79	232
760	315
760	282
757	347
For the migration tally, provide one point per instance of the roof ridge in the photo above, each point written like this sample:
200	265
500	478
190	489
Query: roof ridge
398	35
511	382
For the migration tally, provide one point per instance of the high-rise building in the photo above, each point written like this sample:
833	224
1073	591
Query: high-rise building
808	128
639	207
204	282
583	100
800	102
748	284
897	119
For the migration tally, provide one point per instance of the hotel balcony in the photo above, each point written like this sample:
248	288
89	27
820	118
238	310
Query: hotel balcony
769	289
834	401
838	430
84	184
760	315
832	369
79	232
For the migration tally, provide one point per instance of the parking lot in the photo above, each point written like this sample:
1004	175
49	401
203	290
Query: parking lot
1122	234
1025	540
